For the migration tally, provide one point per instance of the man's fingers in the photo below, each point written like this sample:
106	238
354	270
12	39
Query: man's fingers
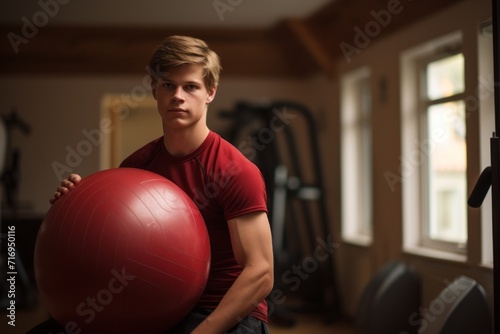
75	178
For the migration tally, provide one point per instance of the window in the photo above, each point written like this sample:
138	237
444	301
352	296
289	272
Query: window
444	195
356	180
122	114
485	95
434	151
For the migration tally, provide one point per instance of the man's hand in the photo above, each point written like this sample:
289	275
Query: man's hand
66	185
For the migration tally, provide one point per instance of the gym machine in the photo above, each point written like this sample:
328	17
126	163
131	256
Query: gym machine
281	138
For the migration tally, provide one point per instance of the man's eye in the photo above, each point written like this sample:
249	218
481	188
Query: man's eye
191	87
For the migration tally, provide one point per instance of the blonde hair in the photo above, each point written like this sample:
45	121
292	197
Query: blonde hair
179	50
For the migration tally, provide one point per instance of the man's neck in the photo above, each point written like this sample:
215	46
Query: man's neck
182	143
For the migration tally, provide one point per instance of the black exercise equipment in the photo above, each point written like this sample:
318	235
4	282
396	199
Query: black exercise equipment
10	177
461	307
280	137
491	175
390	302
11	173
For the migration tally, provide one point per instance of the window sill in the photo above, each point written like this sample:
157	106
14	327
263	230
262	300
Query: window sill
358	240
486	265
436	254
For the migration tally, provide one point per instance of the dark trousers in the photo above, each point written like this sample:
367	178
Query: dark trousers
248	325
49	326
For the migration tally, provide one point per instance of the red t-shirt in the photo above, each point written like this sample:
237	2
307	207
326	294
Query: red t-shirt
224	184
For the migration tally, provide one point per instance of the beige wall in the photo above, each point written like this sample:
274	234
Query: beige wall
60	109
358	264
65	111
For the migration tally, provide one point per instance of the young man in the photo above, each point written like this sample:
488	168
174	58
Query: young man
227	188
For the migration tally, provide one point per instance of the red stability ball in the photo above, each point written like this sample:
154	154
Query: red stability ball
125	251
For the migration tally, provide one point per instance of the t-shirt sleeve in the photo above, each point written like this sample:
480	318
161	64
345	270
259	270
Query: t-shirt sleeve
245	190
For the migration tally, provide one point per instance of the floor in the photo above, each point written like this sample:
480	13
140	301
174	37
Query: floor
305	324
24	320
308	324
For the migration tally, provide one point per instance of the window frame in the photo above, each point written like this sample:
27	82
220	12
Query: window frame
423	106
411	130
356	182
485	93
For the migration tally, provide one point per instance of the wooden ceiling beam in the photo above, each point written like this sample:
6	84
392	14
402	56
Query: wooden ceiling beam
293	48
126	50
310	42
336	22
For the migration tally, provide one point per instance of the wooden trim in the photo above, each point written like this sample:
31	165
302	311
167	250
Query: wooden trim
310	42
293	48
126	50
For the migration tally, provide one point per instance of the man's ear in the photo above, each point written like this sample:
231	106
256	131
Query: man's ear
153	88
211	94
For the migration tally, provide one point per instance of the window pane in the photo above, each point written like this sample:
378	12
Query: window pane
364	151
356	165
445	77
446	169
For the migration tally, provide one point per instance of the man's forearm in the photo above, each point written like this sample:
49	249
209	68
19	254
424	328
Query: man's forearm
250	288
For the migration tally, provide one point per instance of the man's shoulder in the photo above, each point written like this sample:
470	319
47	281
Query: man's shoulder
230	150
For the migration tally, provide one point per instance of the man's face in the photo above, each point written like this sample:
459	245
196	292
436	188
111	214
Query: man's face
182	97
